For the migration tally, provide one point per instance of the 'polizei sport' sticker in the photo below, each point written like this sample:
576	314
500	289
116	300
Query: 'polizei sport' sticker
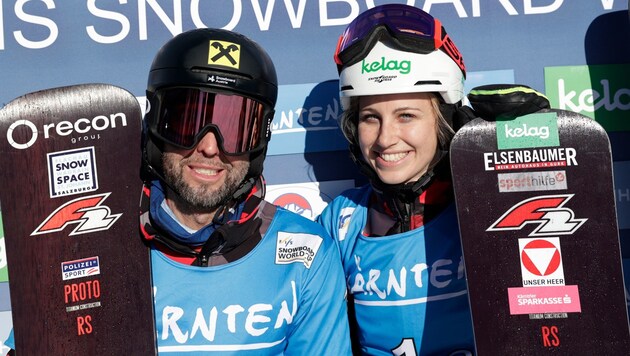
297	247
84	267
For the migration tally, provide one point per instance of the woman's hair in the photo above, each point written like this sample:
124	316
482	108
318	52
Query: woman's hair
349	120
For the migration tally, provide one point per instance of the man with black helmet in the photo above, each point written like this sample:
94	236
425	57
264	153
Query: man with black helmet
231	272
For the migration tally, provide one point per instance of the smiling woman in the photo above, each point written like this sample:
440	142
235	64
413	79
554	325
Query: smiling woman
398	135
401	84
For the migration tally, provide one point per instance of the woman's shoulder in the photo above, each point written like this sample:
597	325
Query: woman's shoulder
353	196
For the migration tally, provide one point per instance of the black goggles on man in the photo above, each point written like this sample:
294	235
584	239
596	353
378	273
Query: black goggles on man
185	115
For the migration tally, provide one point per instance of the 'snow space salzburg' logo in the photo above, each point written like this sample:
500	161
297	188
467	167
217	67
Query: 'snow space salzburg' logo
600	92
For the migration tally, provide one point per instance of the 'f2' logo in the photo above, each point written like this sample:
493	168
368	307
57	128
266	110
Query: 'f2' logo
87	212
547	211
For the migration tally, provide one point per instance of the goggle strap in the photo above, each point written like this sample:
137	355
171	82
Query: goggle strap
268	119
337	59
437	33
451	50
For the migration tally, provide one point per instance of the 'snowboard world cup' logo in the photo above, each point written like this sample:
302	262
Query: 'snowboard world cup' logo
23	134
87	213
546	212
296	248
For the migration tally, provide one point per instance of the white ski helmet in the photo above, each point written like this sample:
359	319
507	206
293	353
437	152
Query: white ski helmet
408	51
389	71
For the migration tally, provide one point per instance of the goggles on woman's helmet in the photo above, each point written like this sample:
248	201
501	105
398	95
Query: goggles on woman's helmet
185	115
409	28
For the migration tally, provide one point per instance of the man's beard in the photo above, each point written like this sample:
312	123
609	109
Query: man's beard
203	196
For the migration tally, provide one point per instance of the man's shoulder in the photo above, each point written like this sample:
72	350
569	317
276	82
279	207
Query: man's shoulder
291	219
297	238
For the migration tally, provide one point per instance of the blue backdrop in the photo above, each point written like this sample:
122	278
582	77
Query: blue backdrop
576	52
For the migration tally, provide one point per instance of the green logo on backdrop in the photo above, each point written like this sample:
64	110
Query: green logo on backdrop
601	92
533	130
4	274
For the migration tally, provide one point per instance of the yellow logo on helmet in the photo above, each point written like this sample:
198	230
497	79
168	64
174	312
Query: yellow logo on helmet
224	54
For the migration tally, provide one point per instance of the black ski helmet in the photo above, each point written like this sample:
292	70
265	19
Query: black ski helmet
213	60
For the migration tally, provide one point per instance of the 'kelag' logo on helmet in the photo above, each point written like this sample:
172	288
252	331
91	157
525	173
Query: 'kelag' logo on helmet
404	67
224	54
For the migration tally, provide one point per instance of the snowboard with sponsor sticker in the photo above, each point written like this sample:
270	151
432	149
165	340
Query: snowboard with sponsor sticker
537	217
79	273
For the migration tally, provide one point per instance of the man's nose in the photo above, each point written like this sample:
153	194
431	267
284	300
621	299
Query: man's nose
208	145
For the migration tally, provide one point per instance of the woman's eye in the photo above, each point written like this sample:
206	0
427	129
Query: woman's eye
368	118
406	116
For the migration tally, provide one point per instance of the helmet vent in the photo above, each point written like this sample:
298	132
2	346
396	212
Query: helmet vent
428	82
347	87
215	71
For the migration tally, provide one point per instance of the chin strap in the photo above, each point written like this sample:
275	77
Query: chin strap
405	201
228	235
227	205
409	192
